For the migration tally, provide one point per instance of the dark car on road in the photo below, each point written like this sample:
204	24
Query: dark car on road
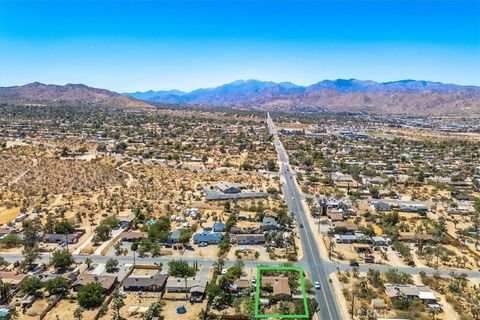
354	264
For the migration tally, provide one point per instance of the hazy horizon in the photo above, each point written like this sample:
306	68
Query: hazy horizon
128	46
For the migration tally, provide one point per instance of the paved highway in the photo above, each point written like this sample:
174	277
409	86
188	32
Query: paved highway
312	261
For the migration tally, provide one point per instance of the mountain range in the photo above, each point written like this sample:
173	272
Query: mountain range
350	95
342	95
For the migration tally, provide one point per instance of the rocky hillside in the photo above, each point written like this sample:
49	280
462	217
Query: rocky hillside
70	94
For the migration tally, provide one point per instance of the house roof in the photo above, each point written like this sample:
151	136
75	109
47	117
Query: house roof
335	216
128	218
145	281
208	236
426	295
173	282
279	284
379	239
269	221
175	235
5	231
106	282
227	185
242	283
343	224
412	235
133	235
247	237
392	290
218	225
60	236
12	278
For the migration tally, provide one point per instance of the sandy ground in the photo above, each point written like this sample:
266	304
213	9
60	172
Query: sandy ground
36	309
7	215
64	310
134	299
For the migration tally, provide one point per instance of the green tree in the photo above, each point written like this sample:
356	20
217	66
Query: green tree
88	262
49	224
57	285
154	311
31	285
103	232
11	241
31	232
271	165
117	304
102	147
64	227
30	255
90	295
121	147
185	236
62	259
180	269
78	313
4	290
111	265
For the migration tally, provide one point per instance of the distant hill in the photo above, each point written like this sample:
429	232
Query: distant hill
404	96
78	94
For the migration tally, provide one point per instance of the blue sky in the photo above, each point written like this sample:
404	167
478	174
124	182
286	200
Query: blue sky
139	45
